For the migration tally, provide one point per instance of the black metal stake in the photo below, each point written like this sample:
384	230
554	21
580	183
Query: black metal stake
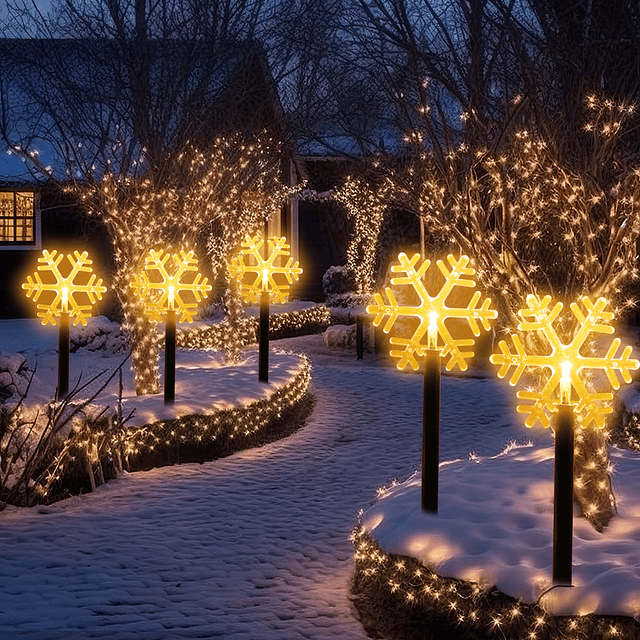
563	496
263	354
359	337
170	357
63	355
430	431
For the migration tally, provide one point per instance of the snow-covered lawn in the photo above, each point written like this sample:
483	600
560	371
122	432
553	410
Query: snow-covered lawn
256	545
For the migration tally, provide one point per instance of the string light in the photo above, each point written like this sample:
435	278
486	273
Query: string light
132	444
229	190
400	586
365	207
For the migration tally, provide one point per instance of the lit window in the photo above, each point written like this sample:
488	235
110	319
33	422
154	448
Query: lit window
18	220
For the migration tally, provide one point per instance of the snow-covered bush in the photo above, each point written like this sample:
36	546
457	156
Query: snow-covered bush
337	280
339	288
14	376
100	334
342	336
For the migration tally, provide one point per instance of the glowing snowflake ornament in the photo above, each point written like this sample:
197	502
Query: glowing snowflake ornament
64	294
565	361
167	293
432	311
264	269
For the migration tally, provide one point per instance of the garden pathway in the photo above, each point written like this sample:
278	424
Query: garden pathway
252	547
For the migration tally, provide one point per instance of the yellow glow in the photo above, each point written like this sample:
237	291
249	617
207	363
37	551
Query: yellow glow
64	295
565	384
565	361
65	299
432	331
432	311
167	293
264	269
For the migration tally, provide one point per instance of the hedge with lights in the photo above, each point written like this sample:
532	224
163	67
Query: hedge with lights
281	325
398	598
102	449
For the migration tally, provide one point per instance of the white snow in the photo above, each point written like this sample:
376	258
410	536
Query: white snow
256	545
203	384
495	524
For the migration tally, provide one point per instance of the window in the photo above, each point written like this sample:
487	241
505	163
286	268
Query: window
18	220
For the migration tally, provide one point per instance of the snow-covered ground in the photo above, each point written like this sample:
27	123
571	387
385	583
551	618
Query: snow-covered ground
495	526
256	545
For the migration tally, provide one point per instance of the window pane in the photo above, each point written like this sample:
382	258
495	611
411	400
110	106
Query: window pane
17	217
6	230
6	204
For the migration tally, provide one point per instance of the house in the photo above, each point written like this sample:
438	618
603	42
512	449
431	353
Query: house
47	140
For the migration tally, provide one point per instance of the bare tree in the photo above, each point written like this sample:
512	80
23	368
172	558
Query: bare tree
125	94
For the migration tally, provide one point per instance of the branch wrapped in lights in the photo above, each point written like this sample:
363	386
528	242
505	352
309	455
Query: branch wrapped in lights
461	608
366	207
232	188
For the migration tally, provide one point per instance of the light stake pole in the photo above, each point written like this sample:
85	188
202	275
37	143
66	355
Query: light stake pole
563	484
359	337
566	362
64	339
177	287
263	353
432	313
61	298
170	355
431	419
258	259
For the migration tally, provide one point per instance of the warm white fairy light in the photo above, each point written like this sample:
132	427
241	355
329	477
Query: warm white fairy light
281	325
128	444
366	207
535	224
469	610
232	189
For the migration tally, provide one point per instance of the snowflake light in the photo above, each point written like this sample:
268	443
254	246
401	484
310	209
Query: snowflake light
432	311
565	361
167	293
264	269
64	294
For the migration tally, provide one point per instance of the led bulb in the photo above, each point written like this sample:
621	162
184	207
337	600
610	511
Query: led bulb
65	299
565	384
432	331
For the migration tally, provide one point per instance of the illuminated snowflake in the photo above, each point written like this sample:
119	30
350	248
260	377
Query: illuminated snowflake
537	317
167	293
265	270
66	292
455	276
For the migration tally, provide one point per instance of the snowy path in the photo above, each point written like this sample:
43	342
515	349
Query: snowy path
254	546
